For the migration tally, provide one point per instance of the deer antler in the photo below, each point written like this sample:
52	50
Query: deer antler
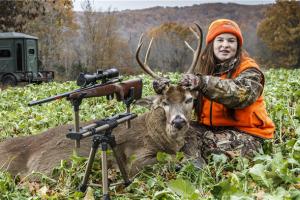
144	65
199	35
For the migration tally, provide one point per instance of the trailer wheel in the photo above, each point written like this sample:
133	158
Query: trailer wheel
9	80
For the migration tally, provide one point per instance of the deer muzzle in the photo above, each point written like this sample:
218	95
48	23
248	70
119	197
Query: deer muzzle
178	122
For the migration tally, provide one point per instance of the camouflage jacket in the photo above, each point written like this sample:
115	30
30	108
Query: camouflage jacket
235	93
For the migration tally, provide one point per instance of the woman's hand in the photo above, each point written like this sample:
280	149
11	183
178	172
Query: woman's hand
159	85
190	81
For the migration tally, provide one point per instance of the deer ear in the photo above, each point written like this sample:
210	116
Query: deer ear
146	101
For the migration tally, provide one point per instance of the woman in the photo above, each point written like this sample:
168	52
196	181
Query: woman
231	111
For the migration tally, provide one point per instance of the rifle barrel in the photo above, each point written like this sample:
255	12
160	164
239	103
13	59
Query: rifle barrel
56	97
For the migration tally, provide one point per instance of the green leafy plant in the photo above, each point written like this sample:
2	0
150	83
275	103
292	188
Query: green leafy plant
272	174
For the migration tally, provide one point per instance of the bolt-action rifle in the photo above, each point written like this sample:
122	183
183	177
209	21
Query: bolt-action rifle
114	86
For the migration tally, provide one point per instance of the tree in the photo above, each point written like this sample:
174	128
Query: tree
101	45
280	31
56	30
15	15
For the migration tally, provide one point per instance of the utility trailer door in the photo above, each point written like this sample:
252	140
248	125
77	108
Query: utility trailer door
19	46
31	55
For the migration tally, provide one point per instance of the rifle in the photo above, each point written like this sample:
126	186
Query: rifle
120	88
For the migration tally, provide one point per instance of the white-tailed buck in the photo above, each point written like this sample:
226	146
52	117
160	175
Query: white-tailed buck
163	128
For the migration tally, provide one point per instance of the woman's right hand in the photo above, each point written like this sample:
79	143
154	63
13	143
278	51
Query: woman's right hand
190	81
159	85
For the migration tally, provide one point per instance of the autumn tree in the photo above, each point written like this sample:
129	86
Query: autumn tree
101	45
15	15
280	30
56	30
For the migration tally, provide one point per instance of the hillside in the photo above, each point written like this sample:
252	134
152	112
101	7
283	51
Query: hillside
133	22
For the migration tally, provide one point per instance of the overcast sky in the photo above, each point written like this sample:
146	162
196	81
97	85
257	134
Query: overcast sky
135	4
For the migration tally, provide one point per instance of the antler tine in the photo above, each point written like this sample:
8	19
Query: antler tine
144	65
148	50
199	35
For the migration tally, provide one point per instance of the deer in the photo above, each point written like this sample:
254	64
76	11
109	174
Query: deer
164	128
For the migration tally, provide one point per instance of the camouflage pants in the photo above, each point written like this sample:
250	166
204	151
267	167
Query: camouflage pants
226	140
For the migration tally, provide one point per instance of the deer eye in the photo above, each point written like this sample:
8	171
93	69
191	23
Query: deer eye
189	100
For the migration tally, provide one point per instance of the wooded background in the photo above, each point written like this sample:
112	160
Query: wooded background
71	42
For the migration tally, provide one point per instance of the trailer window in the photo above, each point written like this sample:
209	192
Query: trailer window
4	53
31	51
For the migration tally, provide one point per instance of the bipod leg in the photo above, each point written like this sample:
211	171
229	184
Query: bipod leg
120	163
112	143
95	145
76	103
104	147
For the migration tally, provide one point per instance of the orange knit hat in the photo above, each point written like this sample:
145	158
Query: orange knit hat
220	26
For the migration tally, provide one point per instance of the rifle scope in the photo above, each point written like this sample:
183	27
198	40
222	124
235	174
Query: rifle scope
86	79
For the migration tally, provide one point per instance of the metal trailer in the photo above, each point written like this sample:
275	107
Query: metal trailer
19	60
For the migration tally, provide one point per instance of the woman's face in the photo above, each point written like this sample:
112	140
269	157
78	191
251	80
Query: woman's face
225	46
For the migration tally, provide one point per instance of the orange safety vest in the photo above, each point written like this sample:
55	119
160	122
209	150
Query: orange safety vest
252	119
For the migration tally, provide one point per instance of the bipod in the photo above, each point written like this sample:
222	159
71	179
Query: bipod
104	138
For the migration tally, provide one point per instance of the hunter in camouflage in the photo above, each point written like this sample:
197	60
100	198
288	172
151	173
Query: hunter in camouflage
231	113
236	94
232	117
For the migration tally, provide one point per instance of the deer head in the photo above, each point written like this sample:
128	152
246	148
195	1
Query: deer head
175	101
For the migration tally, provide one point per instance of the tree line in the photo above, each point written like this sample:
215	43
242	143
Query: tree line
70	43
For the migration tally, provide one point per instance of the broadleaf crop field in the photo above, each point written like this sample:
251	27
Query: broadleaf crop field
271	174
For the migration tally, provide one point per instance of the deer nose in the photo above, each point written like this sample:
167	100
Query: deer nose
178	122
